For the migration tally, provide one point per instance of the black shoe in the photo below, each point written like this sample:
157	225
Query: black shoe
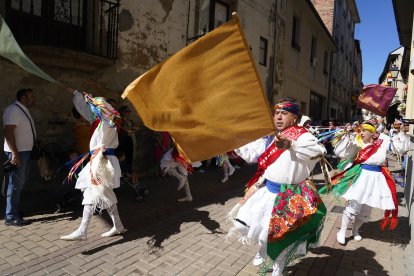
16	222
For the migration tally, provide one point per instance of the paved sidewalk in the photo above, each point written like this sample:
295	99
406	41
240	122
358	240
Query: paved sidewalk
166	237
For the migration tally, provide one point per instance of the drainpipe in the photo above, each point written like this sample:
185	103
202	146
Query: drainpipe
328	102
272	69
349	115
188	22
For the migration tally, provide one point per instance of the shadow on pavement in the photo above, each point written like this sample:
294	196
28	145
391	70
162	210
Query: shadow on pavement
158	217
332	261
400	236
56	217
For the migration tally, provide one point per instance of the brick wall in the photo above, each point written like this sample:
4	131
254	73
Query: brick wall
326	10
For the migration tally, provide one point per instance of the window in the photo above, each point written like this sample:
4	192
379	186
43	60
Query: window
221	12
80	25
325	62
295	33
313	52
315	105
32	7
302	107
263	51
211	14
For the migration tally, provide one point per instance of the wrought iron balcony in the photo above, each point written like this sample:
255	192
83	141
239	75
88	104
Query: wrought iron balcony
89	26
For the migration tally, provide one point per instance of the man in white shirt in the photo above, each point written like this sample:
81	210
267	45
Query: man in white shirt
18	144
268	214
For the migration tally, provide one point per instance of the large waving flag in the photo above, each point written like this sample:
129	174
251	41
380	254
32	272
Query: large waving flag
208	95
11	50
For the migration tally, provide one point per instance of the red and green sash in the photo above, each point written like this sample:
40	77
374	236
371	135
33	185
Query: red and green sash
298	212
362	156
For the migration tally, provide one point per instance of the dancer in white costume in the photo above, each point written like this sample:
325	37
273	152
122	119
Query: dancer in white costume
402	144
281	210
174	166
365	183
223	161
102	173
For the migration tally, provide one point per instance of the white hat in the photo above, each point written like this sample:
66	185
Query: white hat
303	120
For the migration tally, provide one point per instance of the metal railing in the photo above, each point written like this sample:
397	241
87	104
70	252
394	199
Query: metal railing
89	26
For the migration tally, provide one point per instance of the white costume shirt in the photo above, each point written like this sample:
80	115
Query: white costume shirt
167	161
294	165
401	142
370	187
348	148
23	132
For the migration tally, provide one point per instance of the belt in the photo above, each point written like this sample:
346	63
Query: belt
373	168
107	151
273	187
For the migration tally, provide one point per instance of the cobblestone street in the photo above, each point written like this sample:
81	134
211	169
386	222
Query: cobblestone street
166	237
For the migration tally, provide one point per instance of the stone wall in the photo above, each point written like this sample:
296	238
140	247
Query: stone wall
149	32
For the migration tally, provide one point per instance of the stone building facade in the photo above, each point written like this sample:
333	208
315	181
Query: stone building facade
307	50
357	84
101	46
340	17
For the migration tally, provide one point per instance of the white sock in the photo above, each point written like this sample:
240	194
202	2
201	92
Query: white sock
116	220
86	219
188	196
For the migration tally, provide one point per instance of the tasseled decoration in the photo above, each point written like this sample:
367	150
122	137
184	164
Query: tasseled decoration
393	222
385	219
329	134
325	170
394	213
337	137
76	166
101	170
104	111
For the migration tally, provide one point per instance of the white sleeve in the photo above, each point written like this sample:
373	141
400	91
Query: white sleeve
11	116
251	152
82	107
399	144
345	148
307	147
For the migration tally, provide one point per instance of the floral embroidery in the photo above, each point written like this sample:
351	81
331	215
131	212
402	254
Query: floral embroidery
293	207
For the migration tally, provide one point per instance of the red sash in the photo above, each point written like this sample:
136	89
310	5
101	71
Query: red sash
394	213
272	153
95	124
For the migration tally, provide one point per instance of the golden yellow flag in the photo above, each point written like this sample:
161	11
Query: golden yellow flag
208	95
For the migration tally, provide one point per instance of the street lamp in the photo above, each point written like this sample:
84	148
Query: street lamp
394	72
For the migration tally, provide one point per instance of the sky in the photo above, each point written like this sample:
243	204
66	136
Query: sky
378	36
